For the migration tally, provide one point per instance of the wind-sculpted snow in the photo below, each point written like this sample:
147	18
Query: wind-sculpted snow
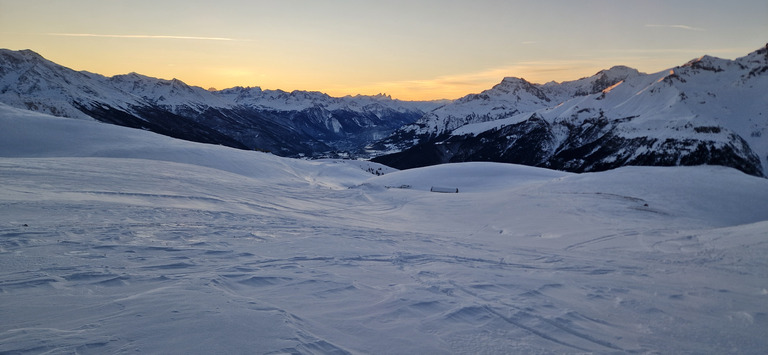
115	240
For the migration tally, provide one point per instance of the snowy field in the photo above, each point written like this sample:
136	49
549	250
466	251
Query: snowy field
115	240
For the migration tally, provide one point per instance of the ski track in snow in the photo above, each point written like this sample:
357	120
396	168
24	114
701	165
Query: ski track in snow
118	255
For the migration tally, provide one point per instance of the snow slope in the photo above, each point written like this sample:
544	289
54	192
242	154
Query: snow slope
115	240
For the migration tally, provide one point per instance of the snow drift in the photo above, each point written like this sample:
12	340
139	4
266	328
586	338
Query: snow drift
115	240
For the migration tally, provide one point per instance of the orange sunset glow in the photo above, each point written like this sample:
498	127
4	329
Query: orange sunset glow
408	49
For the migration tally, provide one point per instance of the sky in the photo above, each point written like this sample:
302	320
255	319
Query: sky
411	50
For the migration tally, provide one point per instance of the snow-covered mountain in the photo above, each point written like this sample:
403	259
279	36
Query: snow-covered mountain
510	97
286	123
707	111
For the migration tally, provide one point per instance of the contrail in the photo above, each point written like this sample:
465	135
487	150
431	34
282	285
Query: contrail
682	27
143	36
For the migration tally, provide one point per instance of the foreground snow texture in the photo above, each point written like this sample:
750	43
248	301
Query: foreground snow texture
115	240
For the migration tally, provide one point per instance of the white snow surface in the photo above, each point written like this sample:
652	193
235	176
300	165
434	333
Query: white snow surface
115	240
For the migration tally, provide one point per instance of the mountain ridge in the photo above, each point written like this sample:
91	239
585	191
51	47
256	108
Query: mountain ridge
296	123
706	111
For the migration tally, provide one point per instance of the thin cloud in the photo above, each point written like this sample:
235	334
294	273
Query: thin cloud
458	85
693	51
680	27
143	36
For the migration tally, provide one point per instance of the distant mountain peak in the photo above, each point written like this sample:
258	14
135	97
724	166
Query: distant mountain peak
707	62
619	71
512	80
29	54
608	78
9	58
